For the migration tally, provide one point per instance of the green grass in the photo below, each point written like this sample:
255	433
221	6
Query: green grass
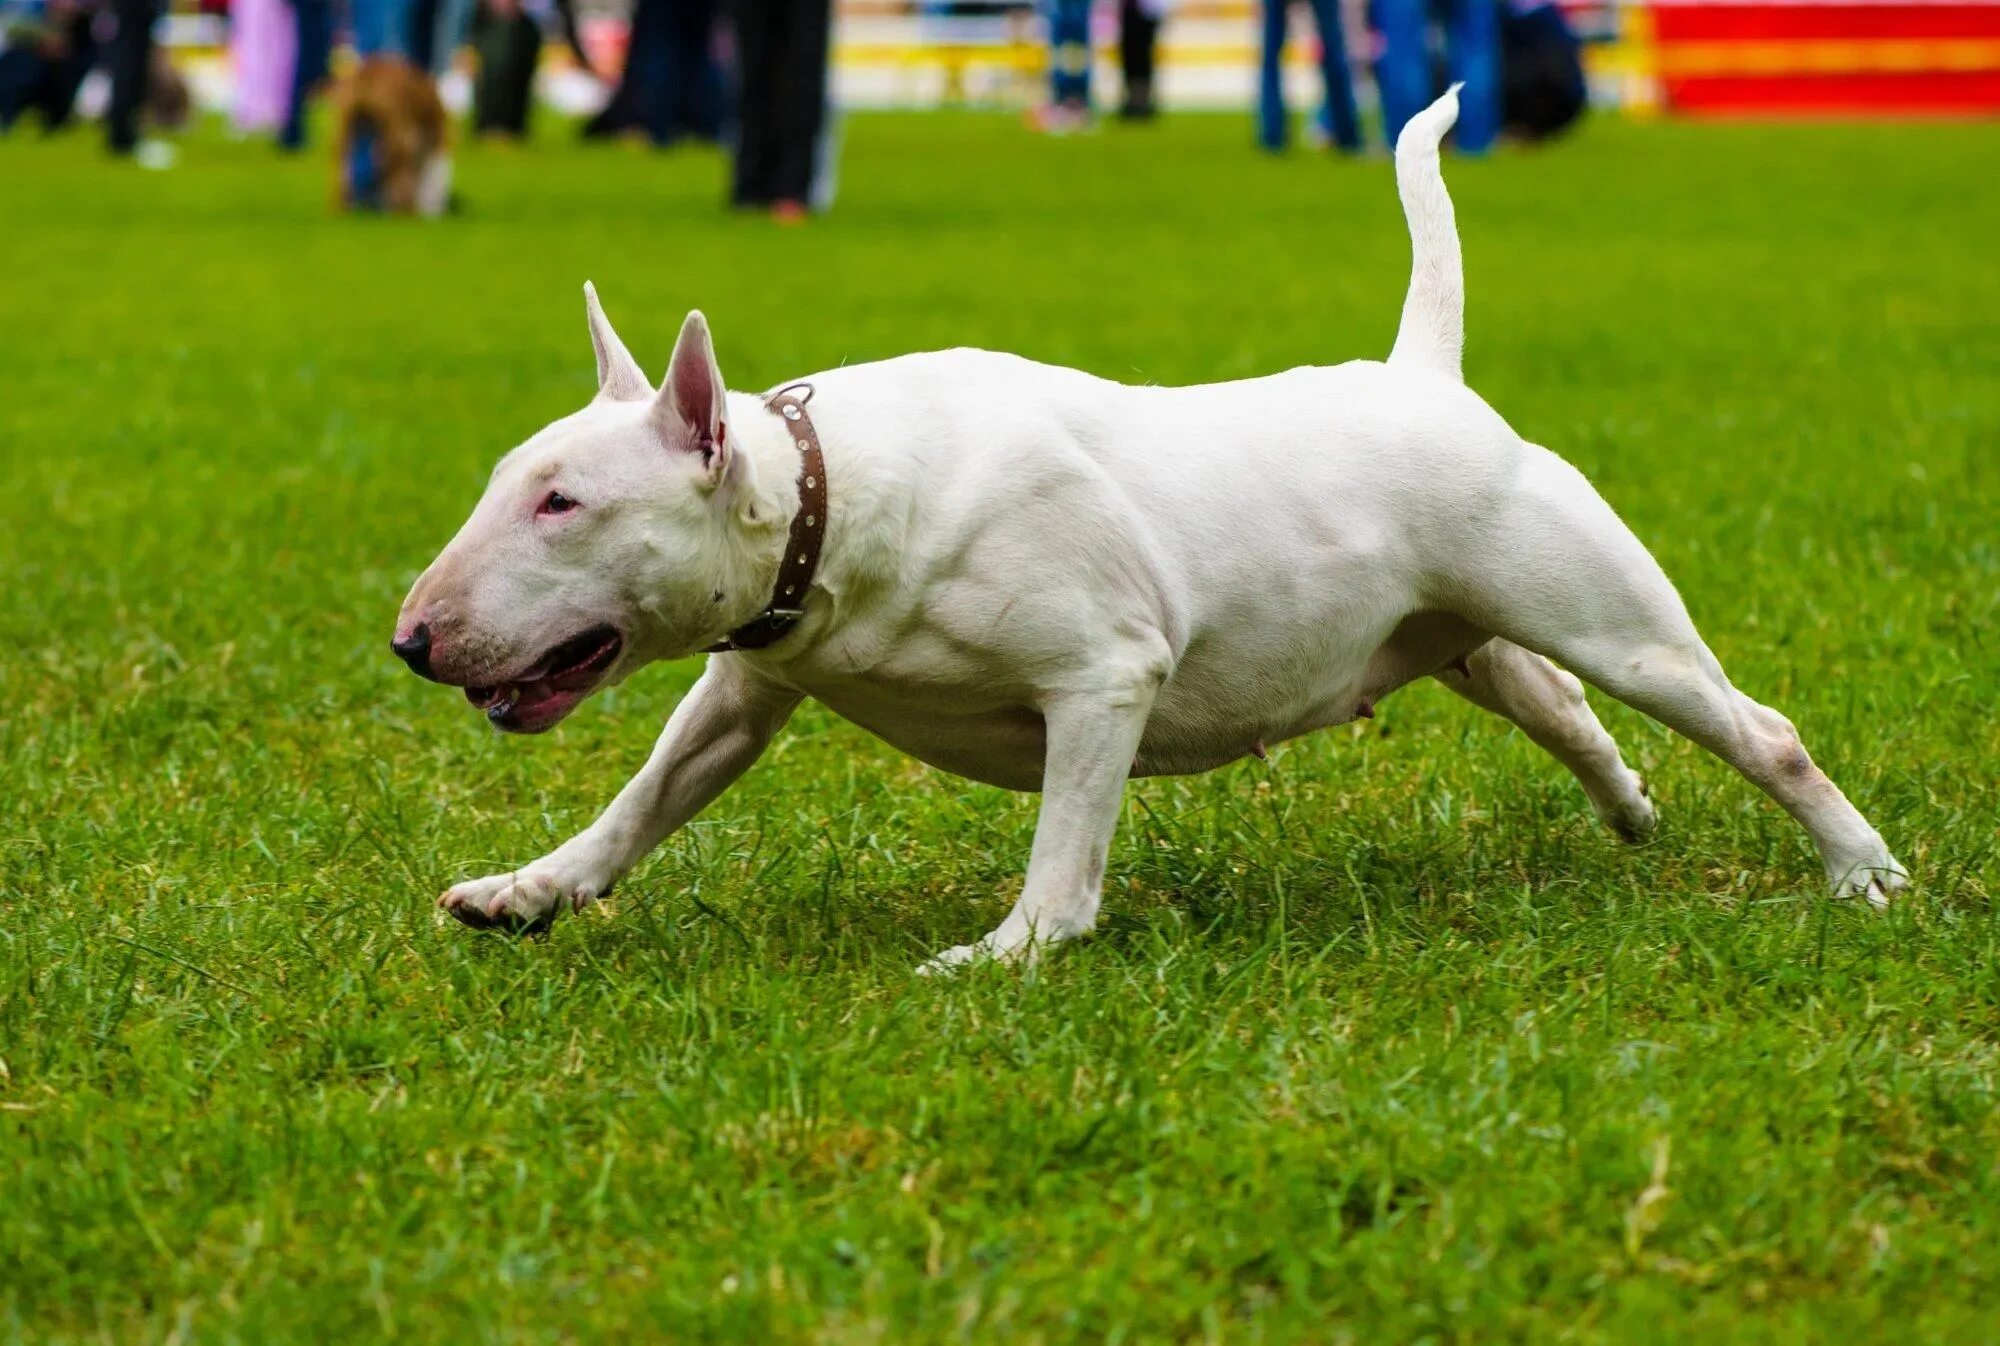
1386	1040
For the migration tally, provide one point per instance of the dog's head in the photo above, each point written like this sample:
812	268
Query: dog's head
610	539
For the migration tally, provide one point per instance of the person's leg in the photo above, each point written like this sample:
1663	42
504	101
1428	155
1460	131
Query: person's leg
708	100
449	27
423	18
368	21
756	35
1069	53
1472	53
131	60
1403	75
62	79
655	77
1138	40
1342	121
802	108
525	53
381	27
21	75
1273	122
315	50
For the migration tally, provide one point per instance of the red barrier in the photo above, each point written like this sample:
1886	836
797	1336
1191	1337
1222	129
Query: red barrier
1929	57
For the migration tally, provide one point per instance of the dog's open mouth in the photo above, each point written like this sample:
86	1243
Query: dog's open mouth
552	688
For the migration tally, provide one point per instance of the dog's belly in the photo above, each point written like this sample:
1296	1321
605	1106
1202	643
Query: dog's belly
1208	714
1005	746
995	744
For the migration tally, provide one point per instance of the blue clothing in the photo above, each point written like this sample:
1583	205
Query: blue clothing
315	56
1338	116
1472	55
1069	52
382	27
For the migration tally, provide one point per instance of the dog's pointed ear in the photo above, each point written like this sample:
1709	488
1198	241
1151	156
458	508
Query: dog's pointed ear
691	403
618	374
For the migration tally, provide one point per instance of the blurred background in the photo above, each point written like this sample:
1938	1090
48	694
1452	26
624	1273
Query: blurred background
768	77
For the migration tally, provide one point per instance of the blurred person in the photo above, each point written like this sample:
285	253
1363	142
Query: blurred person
1069	68
672	86
49	48
437	28
784	162
1542	86
381	27
263	44
312	25
1138	45
130	61
1407	79
509	44
1339	117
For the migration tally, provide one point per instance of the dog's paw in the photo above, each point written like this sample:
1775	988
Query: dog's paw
998	947
526	901
992	949
1626	809
951	960
1877	878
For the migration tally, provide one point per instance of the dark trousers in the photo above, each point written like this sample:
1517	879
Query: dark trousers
672	86
509	49
782	48
314	61
1138	39
131	61
423	36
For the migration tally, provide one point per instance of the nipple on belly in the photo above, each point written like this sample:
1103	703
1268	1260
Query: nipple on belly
1366	710
1257	751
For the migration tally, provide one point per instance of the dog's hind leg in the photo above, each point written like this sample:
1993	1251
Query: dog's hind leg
1548	706
1555	570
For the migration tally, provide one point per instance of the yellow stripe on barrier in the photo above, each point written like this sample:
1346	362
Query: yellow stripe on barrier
1827	57
1682	58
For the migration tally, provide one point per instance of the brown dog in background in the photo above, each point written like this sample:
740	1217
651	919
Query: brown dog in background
392	153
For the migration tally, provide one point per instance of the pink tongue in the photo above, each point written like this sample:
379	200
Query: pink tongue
536	693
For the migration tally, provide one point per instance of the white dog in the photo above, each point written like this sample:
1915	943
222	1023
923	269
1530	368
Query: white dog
1043	580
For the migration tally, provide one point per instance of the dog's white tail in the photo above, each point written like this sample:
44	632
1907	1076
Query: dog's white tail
1433	330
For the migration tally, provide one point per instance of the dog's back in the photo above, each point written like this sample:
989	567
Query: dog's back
391	151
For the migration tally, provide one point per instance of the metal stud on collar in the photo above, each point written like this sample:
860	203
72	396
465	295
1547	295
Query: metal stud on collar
807	532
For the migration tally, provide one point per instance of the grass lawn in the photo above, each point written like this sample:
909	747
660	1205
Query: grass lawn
1383	1040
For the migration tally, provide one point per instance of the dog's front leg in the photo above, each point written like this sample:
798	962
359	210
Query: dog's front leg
720	728
1090	741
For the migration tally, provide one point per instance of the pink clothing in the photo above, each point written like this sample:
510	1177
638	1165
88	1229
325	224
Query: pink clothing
263	46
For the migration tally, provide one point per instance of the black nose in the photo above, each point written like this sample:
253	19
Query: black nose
415	649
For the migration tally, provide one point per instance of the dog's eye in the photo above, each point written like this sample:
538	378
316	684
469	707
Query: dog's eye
556	503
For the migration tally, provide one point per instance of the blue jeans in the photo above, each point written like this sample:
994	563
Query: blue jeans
381	27
315	52
1343	124
1472	55
1069	52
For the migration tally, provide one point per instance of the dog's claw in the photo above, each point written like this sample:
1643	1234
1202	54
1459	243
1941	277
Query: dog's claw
1877	882
524	902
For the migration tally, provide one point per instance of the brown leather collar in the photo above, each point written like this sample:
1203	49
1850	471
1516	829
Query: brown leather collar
802	544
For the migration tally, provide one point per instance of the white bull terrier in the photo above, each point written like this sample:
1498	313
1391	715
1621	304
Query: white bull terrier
1046	581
